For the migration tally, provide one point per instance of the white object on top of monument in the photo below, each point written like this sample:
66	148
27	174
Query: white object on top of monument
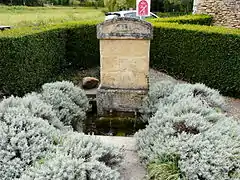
129	13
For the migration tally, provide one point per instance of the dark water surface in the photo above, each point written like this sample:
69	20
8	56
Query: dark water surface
112	125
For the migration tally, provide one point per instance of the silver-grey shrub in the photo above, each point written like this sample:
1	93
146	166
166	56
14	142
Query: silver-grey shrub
91	148
213	154
24	140
157	91
210	151
35	144
63	167
208	95
33	106
69	102
189	122
165	93
184	106
79	157
31	148
170	128
160	90
176	105
173	124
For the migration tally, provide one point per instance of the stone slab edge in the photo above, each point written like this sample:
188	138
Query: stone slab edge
126	35
106	99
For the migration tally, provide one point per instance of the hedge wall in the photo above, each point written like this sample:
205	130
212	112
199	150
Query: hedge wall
200	19
82	47
172	14
30	57
210	55
27	61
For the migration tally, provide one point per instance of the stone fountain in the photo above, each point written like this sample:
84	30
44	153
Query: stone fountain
124	64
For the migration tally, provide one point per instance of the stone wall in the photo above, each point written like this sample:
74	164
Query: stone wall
225	12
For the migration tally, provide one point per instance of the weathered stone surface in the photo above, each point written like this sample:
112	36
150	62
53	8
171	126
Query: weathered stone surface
224	12
123	100
90	82
125	63
124	28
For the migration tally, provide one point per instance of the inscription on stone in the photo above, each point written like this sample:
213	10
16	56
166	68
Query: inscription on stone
125	28
122	28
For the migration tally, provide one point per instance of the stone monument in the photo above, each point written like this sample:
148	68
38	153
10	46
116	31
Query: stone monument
124	64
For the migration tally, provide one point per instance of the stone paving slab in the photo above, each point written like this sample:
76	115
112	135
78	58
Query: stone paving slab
131	168
234	107
128	143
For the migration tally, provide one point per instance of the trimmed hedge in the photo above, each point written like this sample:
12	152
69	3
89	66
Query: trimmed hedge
200	19
172	14
82	47
30	57
28	61
209	55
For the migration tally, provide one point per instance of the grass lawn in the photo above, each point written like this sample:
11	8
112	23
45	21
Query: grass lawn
19	16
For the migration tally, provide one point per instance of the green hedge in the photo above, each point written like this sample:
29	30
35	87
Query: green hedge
172	14
26	62
210	55
30	57
200	19
82	47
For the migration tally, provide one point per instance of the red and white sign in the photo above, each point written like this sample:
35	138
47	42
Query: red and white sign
143	7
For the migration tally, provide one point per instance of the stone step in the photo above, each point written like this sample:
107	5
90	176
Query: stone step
131	168
91	93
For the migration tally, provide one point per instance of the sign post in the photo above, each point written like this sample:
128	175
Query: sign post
143	7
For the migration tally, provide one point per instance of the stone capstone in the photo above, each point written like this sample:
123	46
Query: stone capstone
124	28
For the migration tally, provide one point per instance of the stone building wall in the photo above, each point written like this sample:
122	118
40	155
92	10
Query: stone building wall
225	12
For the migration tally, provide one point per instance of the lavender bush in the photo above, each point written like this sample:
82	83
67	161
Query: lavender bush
69	102
33	106
188	122
24	140
78	157
35	144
